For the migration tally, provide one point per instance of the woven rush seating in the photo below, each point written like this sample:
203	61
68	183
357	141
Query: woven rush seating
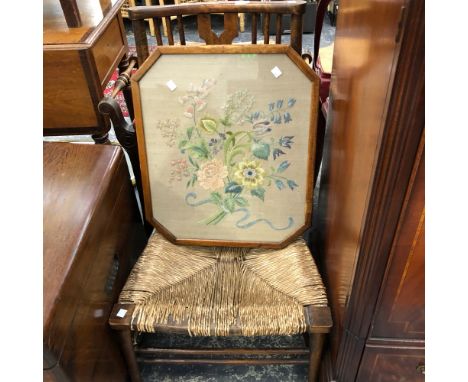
223	291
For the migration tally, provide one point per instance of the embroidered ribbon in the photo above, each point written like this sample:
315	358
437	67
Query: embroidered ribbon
253	222
239	223
193	195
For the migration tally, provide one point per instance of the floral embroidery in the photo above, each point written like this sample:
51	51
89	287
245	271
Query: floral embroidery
179	170
169	130
231	154
249	174
211	175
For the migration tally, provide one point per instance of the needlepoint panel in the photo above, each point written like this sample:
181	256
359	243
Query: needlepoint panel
227	140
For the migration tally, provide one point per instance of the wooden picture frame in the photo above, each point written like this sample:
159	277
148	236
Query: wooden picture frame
248	176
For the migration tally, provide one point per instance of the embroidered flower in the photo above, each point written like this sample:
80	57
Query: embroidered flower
179	170
211	175
169	128
249	174
286	141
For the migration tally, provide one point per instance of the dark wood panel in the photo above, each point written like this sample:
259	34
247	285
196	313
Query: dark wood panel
89	249
380	364
109	50
359	216
362	74
67	101
400	312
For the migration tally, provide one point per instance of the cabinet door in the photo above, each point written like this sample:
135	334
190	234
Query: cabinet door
391	364
400	311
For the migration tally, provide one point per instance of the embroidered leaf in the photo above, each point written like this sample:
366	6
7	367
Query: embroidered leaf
230	204
292	184
233	188
283	166
208	125
279	184
189	132
200	152
216	198
188	183
259	193
182	145
241	202
194	164
261	150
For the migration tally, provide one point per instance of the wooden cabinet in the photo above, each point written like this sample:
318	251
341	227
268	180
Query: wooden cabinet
371	213
78	63
92	236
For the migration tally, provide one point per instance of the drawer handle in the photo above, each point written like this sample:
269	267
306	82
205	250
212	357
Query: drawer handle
421	368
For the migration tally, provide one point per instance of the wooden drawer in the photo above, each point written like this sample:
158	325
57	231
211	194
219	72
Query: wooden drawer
391	364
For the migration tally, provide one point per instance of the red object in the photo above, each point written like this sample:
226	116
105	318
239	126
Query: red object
119	98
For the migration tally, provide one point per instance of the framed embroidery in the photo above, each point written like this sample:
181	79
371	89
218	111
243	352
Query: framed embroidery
226	137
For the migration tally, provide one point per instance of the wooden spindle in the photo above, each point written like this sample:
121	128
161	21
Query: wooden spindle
157	30
180	26
279	27
296	33
139	30
266	29
170	36
254	28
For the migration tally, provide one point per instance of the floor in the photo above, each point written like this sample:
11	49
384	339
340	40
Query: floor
219	373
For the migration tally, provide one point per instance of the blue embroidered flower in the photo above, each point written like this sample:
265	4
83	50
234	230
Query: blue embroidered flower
287	117
291	102
271	106
286	141
277	119
279	104
277	153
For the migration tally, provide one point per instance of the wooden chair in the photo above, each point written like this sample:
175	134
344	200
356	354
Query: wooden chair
317	318
125	132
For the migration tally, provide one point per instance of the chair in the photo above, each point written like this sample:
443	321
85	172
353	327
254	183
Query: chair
228	290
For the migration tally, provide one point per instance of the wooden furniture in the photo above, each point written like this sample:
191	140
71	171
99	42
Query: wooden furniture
78	62
371	207
92	236
132	3
203	11
167	274
125	132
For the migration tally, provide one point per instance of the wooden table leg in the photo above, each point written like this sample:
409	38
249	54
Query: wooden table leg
316	341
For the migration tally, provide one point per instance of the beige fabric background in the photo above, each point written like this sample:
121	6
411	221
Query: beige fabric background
232	72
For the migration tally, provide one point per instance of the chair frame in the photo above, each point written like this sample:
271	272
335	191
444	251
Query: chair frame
318	319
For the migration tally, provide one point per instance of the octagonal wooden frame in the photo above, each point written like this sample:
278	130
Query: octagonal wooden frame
225	49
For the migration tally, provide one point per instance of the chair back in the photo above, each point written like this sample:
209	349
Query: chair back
203	12
226	142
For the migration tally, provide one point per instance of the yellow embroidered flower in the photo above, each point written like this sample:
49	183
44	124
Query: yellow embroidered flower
249	174
211	175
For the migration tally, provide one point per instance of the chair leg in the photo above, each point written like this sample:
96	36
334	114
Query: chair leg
126	345
316	341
